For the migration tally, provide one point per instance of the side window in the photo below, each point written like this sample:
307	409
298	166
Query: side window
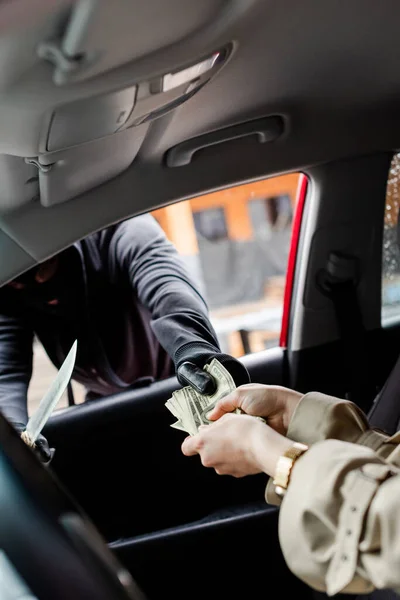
235	243
390	250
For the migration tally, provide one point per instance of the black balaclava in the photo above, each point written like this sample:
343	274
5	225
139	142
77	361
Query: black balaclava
61	294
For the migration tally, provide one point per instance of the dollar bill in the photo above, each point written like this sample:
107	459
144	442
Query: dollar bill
191	408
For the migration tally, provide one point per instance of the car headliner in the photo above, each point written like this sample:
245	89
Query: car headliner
330	68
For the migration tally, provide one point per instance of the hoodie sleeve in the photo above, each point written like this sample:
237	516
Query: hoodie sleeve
15	367
179	314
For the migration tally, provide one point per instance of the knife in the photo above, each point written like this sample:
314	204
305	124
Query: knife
49	401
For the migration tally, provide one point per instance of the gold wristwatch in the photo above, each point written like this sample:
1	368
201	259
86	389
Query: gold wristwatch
284	467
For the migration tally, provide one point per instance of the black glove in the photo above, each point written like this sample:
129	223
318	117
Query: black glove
41	449
192	358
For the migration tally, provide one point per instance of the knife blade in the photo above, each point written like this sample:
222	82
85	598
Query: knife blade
49	401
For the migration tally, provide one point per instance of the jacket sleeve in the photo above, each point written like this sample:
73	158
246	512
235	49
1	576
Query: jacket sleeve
342	501
339	522
179	315
332	418
15	367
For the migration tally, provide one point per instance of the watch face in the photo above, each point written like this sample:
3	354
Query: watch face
12	587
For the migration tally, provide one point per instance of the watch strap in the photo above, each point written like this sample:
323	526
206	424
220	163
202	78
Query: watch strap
284	467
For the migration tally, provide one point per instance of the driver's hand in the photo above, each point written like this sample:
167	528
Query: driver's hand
237	445
41	448
276	404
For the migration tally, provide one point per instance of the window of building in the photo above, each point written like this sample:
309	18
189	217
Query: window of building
271	214
279	211
235	243
211	224
390	250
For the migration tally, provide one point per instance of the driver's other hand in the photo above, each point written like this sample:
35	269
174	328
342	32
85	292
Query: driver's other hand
41	449
276	404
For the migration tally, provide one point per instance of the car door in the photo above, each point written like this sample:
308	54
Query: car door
166	516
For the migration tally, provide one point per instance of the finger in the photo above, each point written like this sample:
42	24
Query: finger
226	405
46	463
189	446
43	450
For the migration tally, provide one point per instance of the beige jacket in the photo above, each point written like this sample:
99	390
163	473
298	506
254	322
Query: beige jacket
339	522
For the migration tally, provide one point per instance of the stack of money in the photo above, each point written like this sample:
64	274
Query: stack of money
191	408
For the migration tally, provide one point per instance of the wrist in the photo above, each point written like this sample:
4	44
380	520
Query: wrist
268	447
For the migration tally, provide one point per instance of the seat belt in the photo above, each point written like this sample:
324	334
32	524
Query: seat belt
339	281
385	411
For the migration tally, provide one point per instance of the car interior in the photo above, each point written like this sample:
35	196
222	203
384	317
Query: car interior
113	109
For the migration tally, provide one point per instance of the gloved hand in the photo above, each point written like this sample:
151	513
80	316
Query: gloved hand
192	358
42	449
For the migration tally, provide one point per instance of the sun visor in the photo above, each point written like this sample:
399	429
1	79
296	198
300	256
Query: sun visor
88	142
65	174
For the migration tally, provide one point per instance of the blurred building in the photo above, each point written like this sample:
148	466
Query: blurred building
236	242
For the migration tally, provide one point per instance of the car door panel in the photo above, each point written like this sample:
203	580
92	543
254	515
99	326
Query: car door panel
168	519
230	554
122	461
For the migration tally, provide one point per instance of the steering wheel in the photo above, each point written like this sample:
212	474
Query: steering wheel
48	547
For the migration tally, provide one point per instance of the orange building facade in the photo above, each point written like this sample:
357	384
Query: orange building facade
178	222
177	219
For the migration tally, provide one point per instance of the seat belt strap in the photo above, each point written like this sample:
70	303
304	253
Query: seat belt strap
385	411
339	282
